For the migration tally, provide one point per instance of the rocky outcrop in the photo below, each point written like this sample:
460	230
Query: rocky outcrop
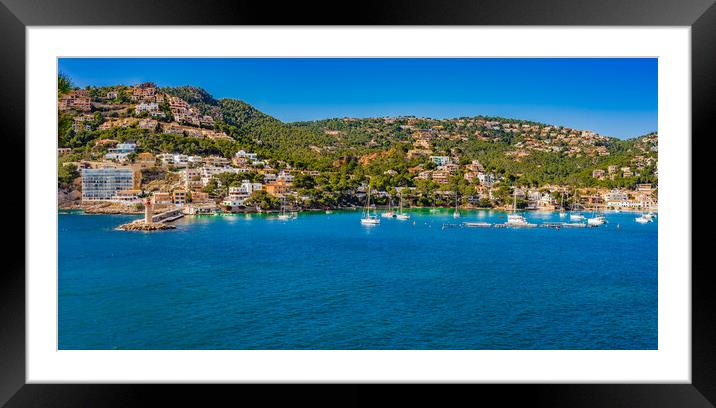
141	226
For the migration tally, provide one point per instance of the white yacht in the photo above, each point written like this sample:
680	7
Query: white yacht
576	217
642	220
389	213
596	221
517	220
367	218
400	215
283	216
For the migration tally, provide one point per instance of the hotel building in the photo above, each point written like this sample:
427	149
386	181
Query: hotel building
104	184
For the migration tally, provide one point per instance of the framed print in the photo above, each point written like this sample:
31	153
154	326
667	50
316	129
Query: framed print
491	194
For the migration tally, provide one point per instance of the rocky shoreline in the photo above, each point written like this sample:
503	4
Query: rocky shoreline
101	208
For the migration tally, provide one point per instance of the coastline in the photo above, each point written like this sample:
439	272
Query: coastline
125	210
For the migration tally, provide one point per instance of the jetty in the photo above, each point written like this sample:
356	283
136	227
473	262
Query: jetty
152	222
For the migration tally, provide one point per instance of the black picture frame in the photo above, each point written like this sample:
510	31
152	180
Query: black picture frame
16	15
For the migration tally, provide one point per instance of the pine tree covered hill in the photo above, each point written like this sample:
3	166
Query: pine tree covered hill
520	151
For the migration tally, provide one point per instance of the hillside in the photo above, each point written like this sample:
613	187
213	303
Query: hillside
189	120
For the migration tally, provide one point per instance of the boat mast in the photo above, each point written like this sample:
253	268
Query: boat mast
367	204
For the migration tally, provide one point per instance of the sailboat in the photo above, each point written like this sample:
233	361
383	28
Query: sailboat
400	215
367	218
562	211
575	216
514	219
596	220
456	214
389	213
283	216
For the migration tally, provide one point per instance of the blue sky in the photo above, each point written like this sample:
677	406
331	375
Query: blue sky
614	97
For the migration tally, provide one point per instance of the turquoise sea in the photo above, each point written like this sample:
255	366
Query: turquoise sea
324	281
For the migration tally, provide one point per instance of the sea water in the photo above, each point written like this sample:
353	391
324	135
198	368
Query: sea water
324	281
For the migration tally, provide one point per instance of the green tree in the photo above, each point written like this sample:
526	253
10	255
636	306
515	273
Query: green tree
64	84
263	201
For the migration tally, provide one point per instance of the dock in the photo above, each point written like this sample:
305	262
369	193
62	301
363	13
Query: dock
153	222
551	225
477	224
168	216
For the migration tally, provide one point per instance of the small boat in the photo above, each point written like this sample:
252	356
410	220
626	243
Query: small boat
367	218
389	213
597	219
329	212
576	217
370	220
400	215
517	220
642	220
283	216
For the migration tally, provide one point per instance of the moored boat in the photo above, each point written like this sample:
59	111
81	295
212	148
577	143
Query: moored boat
367	218
517	220
283	216
642	220
456	213
401	215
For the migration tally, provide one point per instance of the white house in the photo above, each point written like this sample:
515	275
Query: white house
146	107
237	195
121	151
440	160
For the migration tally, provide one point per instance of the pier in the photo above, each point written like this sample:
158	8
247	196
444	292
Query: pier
168	216
152	222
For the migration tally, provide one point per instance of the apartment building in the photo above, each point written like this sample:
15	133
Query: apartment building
104	183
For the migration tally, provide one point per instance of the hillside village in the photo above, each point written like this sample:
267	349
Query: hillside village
120	146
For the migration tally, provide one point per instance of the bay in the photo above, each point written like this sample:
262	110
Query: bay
324	281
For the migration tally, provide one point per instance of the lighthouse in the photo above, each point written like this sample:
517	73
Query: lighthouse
148	213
